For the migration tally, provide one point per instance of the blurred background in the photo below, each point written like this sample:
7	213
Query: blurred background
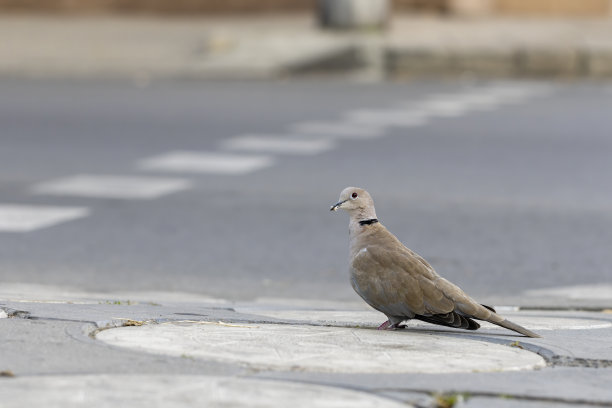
480	7
196	146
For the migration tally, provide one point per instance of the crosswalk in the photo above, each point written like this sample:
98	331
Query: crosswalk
26	218
396	117
206	162
112	186
337	130
278	144
248	153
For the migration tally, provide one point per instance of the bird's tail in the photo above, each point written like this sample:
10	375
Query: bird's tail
517	328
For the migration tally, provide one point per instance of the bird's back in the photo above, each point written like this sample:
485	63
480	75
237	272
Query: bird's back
397	280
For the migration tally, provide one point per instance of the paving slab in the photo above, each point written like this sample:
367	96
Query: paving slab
178	390
560	385
39	347
106	345
322	349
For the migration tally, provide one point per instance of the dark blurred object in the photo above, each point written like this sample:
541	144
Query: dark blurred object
347	14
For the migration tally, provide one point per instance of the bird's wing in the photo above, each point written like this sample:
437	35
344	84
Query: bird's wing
399	283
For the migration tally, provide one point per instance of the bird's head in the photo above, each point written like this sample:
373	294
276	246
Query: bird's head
356	201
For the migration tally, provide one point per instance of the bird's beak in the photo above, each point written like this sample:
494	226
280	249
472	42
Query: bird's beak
337	205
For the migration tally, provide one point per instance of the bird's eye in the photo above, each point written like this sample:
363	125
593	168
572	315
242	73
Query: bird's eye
354	195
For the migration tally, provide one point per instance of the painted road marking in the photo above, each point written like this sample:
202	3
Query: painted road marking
278	144
206	162
121	187
313	137
444	108
509	95
25	218
512	93
387	117
476	101
341	130
482	99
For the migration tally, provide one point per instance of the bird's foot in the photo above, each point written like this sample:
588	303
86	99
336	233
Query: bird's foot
384	326
391	326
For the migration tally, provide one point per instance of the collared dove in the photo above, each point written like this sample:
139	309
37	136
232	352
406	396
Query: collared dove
399	283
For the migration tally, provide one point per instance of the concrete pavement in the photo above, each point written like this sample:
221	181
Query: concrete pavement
71	348
273	46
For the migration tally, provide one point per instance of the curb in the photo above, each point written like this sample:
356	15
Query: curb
268	48
521	62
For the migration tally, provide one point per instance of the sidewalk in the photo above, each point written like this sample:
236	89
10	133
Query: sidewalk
163	349
142	48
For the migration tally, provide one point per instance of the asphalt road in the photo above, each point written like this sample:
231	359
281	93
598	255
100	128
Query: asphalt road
511	197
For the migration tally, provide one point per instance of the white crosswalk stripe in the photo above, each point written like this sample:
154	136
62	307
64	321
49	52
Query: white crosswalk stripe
443	108
340	130
25	218
387	117
469	100
206	162
474	99
279	144
119	187
512	92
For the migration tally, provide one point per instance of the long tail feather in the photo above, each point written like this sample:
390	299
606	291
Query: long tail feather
515	327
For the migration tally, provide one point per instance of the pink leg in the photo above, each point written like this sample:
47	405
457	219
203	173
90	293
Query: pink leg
388	326
384	326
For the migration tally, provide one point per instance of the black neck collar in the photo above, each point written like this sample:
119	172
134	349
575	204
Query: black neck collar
368	222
